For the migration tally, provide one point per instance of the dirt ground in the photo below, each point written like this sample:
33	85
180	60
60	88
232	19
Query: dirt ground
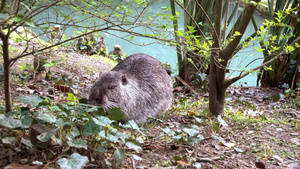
262	131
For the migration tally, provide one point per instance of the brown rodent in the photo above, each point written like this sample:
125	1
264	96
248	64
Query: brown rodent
139	85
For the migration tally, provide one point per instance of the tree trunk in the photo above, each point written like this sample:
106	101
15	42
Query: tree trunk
218	83
217	90
216	74
6	63
177	38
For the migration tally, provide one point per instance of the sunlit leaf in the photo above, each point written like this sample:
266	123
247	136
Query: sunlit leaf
76	161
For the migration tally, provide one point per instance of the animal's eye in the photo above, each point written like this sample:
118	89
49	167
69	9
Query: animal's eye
112	86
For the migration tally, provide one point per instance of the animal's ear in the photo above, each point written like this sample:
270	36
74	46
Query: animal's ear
124	80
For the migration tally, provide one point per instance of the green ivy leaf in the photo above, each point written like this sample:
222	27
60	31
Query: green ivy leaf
177	138
44	137
47	117
9	123
119	156
63	107
166	130
135	157
26	122
195	140
78	143
122	136
100	149
116	114
75	132
27	142
102	120
132	125
112	138
133	146
191	131
91	128
76	161
33	100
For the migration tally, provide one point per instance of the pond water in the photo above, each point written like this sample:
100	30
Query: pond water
166	53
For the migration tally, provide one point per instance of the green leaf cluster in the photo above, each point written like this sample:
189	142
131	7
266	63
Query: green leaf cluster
67	122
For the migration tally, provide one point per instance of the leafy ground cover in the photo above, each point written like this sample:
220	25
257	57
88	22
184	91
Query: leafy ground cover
259	129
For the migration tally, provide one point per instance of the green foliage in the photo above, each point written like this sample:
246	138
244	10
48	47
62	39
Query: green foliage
23	18
294	96
24	66
274	36
51	64
69	120
33	100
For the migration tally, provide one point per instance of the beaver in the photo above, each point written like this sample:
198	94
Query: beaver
139	85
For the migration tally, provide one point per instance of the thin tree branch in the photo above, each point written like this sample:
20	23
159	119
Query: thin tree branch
212	25
247	15
191	17
56	44
230	81
140	14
